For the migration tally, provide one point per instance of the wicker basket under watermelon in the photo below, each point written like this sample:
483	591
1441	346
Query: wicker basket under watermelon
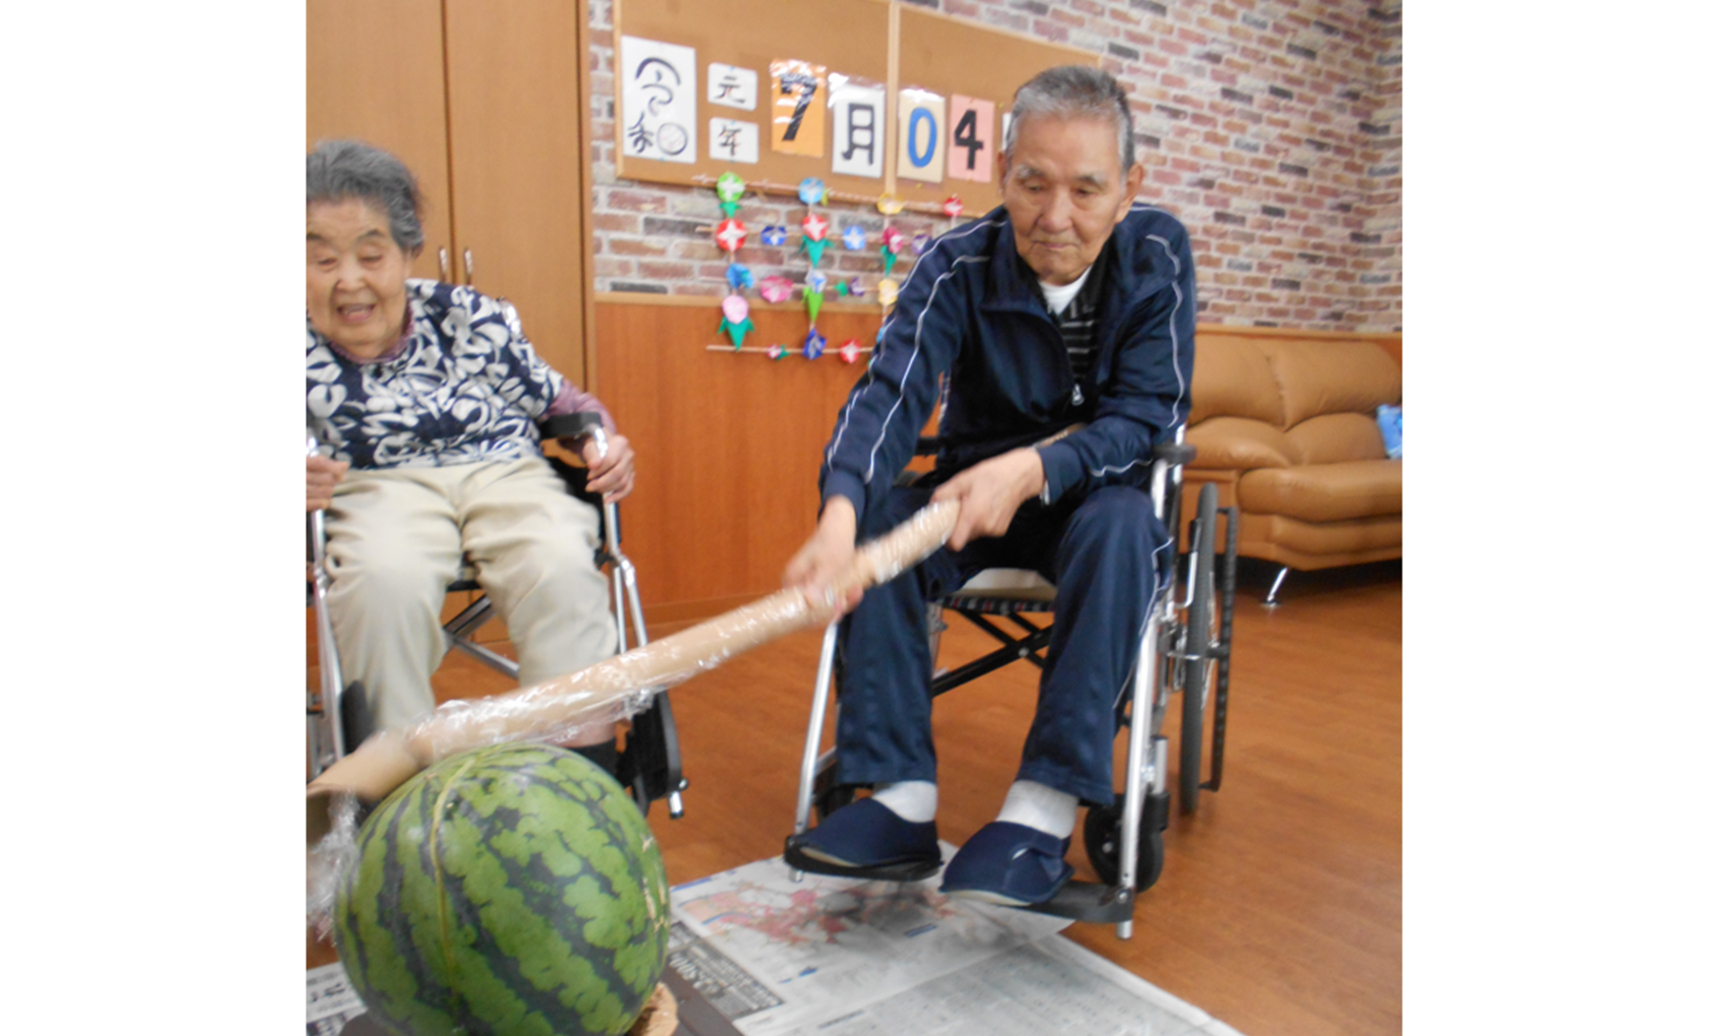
509	890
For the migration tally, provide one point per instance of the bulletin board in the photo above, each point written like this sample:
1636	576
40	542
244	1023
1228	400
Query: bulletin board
876	42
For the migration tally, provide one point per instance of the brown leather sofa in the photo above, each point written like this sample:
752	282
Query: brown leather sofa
1284	425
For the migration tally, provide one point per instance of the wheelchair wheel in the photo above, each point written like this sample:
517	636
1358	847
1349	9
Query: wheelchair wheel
1102	836
1197	665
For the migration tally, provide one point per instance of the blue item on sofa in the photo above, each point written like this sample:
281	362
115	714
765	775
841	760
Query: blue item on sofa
1391	429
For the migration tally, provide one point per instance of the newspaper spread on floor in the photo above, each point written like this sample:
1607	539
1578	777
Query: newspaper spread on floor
837	957
332	1001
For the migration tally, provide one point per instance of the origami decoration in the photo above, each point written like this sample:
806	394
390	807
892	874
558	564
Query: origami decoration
738	276
730	188
735	322
953	206
813	345
855	238
772	235
775	288
731	234
811	191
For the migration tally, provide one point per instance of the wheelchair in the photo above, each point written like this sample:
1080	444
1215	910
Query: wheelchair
1186	636
649	764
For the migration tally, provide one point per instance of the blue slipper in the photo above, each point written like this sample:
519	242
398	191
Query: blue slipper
1008	864
867	834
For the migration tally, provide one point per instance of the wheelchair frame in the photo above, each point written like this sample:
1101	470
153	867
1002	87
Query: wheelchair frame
649	765
1179	642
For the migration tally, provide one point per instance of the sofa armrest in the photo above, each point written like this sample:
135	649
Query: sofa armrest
1241	444
1174	453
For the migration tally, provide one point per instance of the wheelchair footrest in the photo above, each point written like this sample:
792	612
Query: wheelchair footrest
1088	901
900	872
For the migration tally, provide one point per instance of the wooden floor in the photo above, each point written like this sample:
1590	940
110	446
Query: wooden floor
1280	907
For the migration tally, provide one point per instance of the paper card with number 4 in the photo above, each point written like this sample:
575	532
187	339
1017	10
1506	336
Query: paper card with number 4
972	145
799	108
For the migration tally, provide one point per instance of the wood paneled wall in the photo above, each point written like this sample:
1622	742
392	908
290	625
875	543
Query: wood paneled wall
729	446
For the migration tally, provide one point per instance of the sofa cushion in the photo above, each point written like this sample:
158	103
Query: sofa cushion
1233	379
1335	437
1325	492
1325	377
1241	443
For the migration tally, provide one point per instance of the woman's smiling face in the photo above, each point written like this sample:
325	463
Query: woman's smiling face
356	277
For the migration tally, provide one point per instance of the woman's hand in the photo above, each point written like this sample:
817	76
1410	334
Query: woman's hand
614	474
323	474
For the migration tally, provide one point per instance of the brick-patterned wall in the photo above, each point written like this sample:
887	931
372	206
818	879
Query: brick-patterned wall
1273	128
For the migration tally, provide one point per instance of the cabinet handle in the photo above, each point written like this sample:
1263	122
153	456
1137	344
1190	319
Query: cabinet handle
469	266
445	266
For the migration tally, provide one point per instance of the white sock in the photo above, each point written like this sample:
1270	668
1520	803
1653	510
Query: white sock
1032	804
914	801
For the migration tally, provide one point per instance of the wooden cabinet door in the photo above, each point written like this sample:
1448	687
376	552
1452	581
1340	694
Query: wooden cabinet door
377	73
514	75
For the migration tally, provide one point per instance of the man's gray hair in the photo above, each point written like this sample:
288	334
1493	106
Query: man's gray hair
340	170
1071	92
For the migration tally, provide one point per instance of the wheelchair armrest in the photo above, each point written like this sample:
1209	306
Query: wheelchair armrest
1175	453
570	426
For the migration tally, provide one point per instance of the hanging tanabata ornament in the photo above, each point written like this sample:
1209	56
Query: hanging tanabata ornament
730	188
775	288
738	277
855	238
888	292
772	235
813	345
814	236
777	351
731	234
891	243
736	322
953	208
919	243
850	350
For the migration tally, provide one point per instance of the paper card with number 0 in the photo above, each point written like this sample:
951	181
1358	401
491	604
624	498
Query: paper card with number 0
799	108
858	125
658	81
921	135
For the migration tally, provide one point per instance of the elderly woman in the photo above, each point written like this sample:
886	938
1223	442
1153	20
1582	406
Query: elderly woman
425	401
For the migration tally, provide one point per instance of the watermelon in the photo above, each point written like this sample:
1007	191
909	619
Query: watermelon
510	890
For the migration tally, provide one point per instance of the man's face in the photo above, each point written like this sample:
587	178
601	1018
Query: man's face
1065	193
356	277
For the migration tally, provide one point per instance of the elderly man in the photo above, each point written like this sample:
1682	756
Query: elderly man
1068	309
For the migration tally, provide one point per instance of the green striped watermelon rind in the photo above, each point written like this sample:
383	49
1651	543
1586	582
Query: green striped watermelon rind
537	905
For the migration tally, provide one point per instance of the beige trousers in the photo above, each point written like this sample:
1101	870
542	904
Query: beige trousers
396	538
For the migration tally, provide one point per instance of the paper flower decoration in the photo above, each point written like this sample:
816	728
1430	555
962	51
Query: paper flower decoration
735	322
775	288
889	204
888	292
854	287
813	345
772	235
850	350
811	302
953	206
855	238
738	276
777	351
919	243
815	226
729	187
892	239
816	280
811	191
731	234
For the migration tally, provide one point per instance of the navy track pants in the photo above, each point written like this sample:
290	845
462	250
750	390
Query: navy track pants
1101	553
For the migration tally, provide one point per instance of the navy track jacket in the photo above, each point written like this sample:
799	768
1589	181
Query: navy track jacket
970	310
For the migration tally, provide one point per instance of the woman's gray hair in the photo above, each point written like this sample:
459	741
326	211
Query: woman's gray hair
343	169
1071	92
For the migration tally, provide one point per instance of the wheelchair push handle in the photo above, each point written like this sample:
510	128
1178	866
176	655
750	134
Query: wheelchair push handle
614	687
